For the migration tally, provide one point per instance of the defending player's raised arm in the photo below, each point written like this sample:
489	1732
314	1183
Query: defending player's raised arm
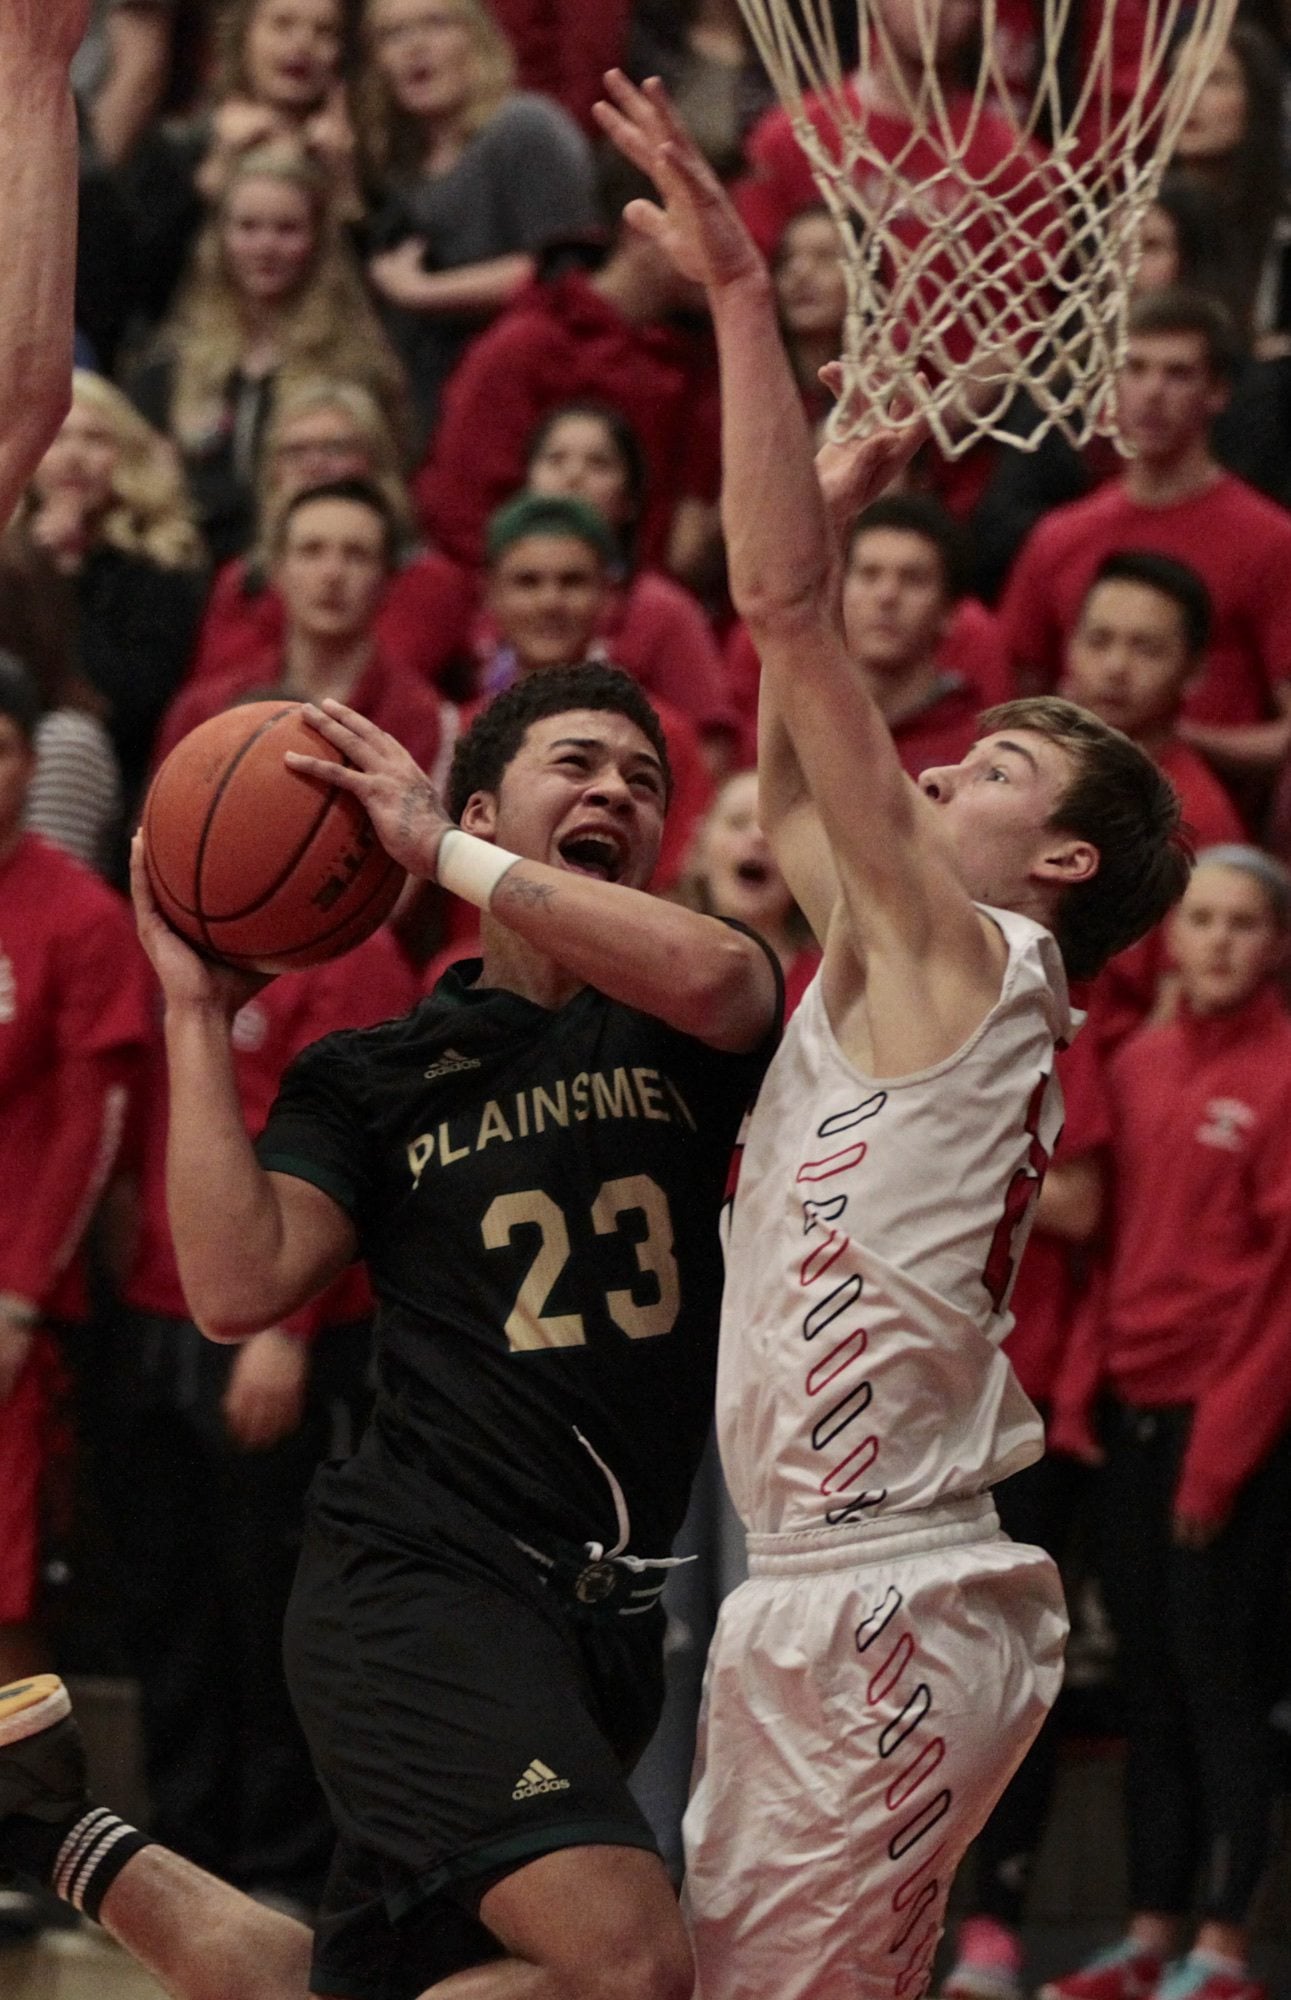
38	172
785	566
251	1246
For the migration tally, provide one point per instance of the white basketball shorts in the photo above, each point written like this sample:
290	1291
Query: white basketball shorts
869	1693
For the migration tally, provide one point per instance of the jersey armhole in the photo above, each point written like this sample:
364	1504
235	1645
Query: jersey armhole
341	1190
776	1029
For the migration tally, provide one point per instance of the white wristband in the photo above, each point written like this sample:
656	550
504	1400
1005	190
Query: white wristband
471	868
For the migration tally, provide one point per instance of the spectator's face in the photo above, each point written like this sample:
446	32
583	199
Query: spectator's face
737	865
292	53
1217	121
1224	938
1167	396
17	768
578	459
1128	659
82	460
426	52
331	569
584	792
809	286
317	446
951	21
1158	252
268	236
547	593
894	600
994	811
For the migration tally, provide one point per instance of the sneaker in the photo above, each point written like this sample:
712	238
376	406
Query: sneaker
42	1762
988	1964
1123	1972
1197	1977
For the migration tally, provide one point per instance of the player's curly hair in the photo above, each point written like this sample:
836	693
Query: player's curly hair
481	758
1127	808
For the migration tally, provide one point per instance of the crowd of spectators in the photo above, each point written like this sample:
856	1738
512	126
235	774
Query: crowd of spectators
379	397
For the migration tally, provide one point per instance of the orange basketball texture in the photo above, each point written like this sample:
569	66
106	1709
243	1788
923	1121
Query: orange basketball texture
254	863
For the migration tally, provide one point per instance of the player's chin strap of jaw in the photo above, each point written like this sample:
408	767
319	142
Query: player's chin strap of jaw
607	1579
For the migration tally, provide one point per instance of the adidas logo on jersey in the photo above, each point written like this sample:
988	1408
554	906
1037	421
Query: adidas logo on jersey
449	1064
539	1778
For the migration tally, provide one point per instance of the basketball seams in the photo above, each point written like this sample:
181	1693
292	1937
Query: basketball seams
249	960
208	825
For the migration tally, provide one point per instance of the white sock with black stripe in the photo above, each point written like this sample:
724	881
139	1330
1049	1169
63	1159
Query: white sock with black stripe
92	1855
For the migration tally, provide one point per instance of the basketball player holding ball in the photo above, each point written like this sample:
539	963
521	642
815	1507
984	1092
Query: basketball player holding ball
874	1684
532	1165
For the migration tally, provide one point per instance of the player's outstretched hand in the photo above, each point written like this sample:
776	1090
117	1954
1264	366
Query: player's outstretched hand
187	979
386	779
697	227
853	471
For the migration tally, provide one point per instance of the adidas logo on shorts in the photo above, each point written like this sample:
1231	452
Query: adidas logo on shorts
539	1778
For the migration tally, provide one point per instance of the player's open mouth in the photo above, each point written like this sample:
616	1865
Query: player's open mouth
755	873
593	854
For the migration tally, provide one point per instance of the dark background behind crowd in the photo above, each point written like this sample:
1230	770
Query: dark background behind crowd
377	397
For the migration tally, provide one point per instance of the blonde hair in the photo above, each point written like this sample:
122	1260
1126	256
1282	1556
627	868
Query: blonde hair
365	413
229	76
149	512
390	139
329	326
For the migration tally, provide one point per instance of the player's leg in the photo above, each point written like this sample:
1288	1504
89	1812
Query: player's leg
859	1729
201	1939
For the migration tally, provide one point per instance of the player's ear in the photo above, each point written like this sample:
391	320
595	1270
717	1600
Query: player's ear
1066	860
480	815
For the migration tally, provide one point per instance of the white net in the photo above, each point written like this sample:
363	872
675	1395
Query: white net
987	246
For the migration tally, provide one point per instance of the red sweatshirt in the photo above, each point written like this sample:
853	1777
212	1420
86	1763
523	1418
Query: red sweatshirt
1197	1302
423	624
558	342
74	1027
369	984
1125	991
388	695
1238	542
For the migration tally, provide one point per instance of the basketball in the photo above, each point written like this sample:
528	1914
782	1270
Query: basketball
253	863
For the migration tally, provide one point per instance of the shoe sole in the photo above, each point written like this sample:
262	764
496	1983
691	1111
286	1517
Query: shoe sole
27	1707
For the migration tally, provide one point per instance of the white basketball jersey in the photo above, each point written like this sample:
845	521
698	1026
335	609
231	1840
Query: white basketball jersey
875	1234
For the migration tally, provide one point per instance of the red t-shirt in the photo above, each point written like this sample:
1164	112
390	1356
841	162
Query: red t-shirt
556	343
369	984
1238	542
565	48
75	1023
394	699
1125	991
971	653
423	625
1044	1296
1197	1304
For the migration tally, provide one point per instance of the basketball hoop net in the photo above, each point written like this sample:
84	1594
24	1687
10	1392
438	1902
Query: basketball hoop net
987	247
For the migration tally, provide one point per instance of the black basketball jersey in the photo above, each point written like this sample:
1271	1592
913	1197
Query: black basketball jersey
536	1195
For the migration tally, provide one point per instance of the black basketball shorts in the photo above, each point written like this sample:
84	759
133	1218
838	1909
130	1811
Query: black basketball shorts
462	1723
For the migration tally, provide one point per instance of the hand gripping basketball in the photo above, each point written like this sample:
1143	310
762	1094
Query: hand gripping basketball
387	781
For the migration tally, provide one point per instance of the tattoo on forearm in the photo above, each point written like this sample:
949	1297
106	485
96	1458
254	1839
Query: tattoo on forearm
514	888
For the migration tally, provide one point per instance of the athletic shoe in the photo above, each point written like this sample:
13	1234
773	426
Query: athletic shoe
42	1764
988	1965
1123	1972
1197	1977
